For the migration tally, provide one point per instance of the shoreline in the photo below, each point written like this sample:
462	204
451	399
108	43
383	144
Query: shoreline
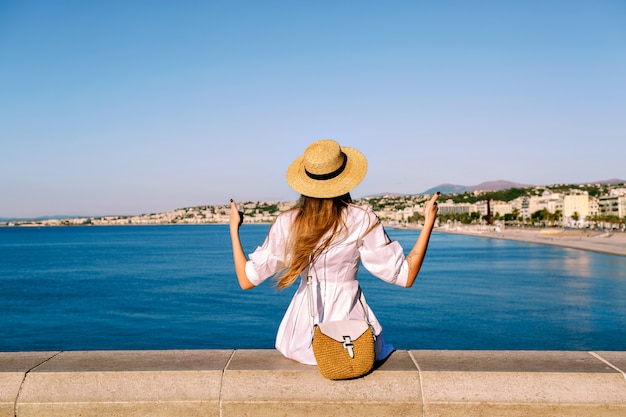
610	243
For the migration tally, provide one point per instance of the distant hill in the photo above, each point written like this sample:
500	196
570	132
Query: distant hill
487	185
500	185
384	194
612	181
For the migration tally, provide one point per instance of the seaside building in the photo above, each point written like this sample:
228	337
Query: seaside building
407	213
548	200
497	207
552	202
524	209
481	207
576	208
612	205
594	206
517	204
501	208
532	204
449	207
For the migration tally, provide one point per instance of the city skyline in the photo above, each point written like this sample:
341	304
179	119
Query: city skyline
447	191
123	108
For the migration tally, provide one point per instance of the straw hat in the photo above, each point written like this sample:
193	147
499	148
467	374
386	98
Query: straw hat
327	170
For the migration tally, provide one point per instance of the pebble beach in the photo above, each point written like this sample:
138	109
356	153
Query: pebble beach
613	243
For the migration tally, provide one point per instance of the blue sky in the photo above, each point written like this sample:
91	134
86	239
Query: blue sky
129	107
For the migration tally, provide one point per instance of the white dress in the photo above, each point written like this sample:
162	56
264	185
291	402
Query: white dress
334	279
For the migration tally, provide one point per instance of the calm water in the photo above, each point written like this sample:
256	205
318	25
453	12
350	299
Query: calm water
169	287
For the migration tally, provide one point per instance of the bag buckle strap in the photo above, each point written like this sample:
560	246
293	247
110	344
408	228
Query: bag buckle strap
349	346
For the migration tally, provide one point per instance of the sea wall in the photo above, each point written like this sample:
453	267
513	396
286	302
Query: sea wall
263	383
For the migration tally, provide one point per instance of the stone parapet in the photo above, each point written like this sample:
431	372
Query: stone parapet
263	383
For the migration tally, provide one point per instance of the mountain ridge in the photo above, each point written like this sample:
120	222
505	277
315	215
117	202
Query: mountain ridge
499	185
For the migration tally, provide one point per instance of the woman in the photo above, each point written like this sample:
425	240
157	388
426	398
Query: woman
325	237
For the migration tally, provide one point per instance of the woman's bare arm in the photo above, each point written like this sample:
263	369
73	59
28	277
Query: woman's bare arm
239	257
415	258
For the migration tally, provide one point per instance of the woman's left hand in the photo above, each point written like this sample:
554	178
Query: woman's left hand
431	209
236	216
239	257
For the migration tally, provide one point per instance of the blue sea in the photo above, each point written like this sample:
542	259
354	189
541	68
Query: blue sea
173	287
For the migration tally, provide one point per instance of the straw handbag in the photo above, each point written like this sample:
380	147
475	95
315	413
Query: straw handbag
343	349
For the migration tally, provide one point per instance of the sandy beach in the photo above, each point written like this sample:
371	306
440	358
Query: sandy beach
613	243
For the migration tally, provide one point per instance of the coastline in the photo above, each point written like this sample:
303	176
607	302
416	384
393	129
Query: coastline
611	243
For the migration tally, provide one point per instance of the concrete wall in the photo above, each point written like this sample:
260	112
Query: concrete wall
263	383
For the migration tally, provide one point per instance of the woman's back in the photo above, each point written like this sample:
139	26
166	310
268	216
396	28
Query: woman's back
322	241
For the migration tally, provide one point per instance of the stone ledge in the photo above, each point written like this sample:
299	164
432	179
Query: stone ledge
526	383
262	382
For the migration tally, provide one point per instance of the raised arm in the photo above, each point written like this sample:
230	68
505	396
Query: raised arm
415	258
239	256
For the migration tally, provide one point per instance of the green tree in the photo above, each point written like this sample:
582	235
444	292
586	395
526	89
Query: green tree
542	217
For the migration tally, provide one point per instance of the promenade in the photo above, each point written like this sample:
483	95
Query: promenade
612	243
224	383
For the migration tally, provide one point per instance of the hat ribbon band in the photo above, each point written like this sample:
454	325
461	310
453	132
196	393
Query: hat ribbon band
330	175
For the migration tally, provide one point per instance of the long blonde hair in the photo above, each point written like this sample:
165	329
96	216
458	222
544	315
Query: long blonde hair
317	223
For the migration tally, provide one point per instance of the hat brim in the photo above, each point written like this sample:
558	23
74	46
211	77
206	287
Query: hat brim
350	177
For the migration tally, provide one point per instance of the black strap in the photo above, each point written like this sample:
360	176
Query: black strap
330	175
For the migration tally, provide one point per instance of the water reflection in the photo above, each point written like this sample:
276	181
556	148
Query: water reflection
578	262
